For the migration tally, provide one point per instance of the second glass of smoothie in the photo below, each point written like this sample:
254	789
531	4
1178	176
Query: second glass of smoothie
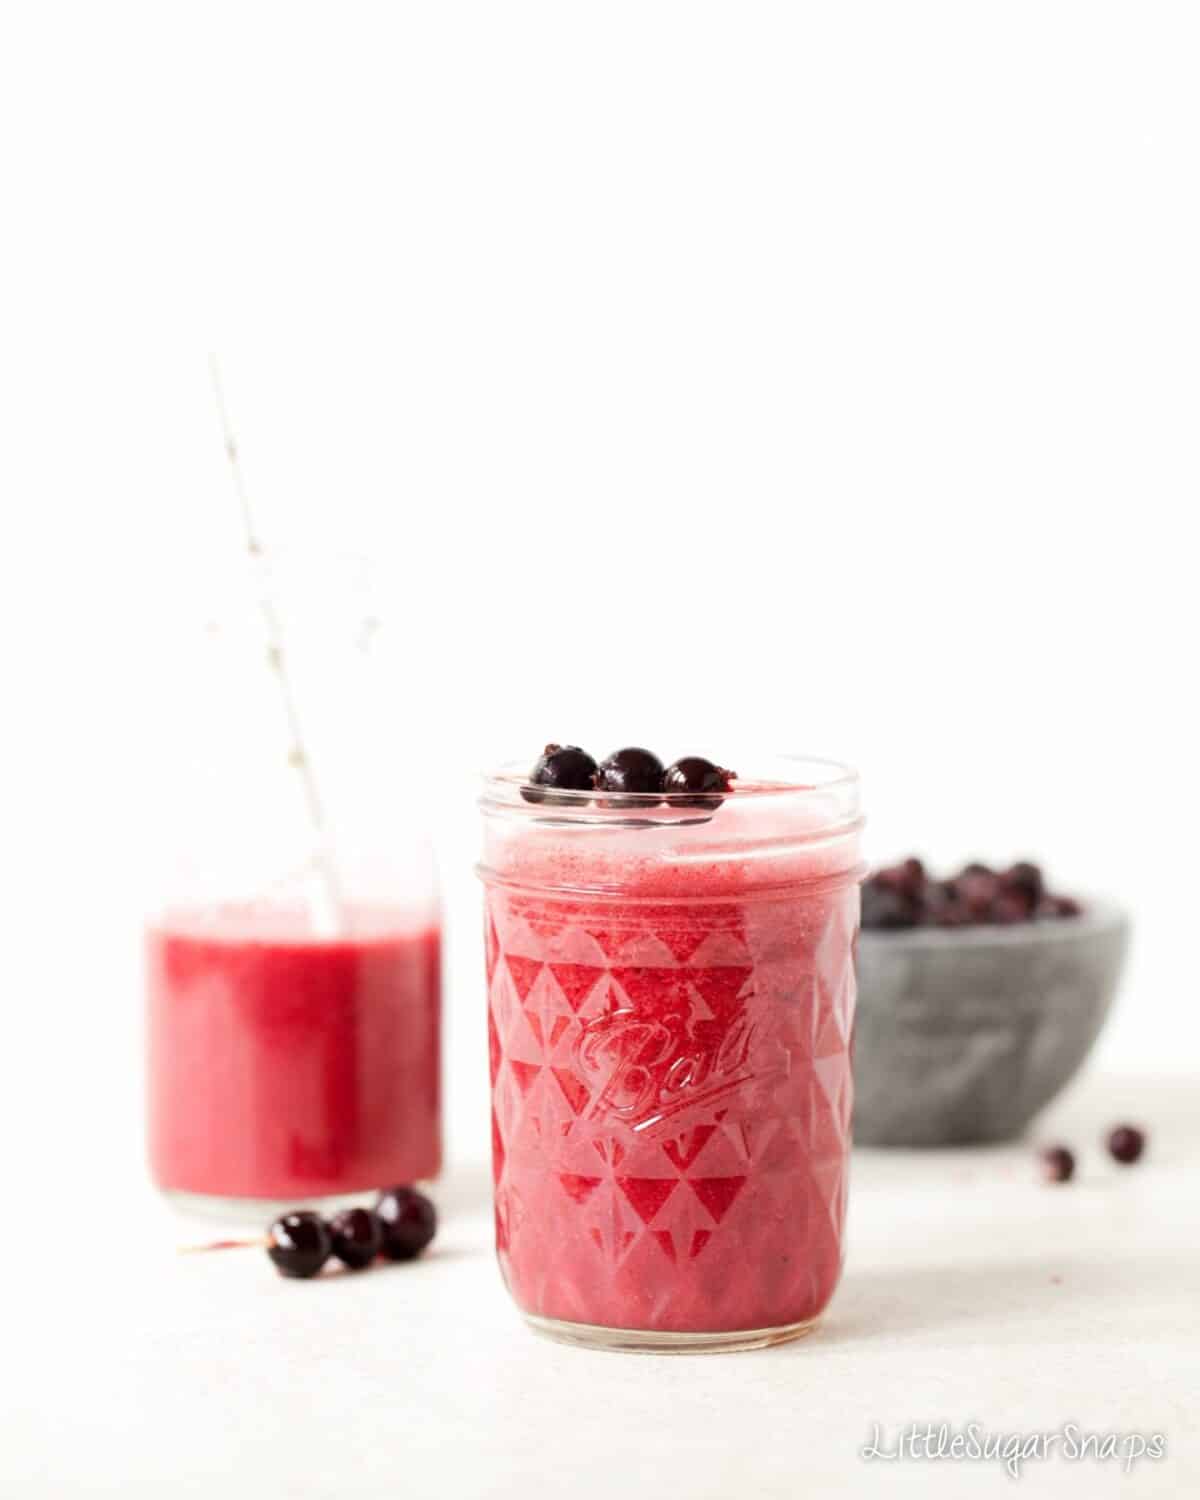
286	1065
671	1007
293	990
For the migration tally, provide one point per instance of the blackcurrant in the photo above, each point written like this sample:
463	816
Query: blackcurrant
908	877
560	768
357	1237
1126	1143
1058	906
694	774
1025	880
885	909
1057	1164
408	1221
299	1243
630	770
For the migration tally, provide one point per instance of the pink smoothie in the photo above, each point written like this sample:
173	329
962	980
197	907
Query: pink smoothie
670	1028
286	1066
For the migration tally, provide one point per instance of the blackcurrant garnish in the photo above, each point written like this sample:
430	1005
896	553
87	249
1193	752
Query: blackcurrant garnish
694	774
357	1237
1126	1143
1057	1164
408	1221
630	770
299	1243
560	768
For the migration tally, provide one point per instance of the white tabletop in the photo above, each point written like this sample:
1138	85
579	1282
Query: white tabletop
972	1293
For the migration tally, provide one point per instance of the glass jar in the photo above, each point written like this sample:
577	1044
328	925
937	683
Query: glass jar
293	944
671	1006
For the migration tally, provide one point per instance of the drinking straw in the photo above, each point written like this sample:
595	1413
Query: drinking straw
326	905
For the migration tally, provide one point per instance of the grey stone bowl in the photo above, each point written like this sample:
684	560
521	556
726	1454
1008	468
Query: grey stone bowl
963	1035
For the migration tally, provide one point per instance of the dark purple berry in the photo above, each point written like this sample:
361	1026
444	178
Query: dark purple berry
1057	1164
905	895
299	1243
408	1221
560	768
1008	909
950	915
885	909
977	891
941	906
630	770
1024	880
908	877
357	1237
1058	906
1126	1143
694	774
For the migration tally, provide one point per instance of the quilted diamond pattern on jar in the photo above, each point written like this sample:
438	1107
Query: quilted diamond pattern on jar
671	1101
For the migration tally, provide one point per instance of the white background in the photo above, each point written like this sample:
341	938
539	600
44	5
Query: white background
819	377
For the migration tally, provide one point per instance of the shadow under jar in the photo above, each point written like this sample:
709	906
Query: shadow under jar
671	1005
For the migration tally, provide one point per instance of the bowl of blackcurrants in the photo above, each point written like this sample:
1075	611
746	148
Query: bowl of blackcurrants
979	997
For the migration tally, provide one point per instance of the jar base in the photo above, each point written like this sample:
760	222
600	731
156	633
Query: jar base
261	1211
651	1341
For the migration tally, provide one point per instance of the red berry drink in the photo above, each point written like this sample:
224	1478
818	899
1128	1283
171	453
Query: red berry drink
286	1066
671	998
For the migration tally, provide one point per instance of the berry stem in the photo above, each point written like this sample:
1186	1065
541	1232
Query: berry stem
326	896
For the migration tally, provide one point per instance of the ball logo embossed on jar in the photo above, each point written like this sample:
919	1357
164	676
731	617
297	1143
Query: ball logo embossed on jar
648	1069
